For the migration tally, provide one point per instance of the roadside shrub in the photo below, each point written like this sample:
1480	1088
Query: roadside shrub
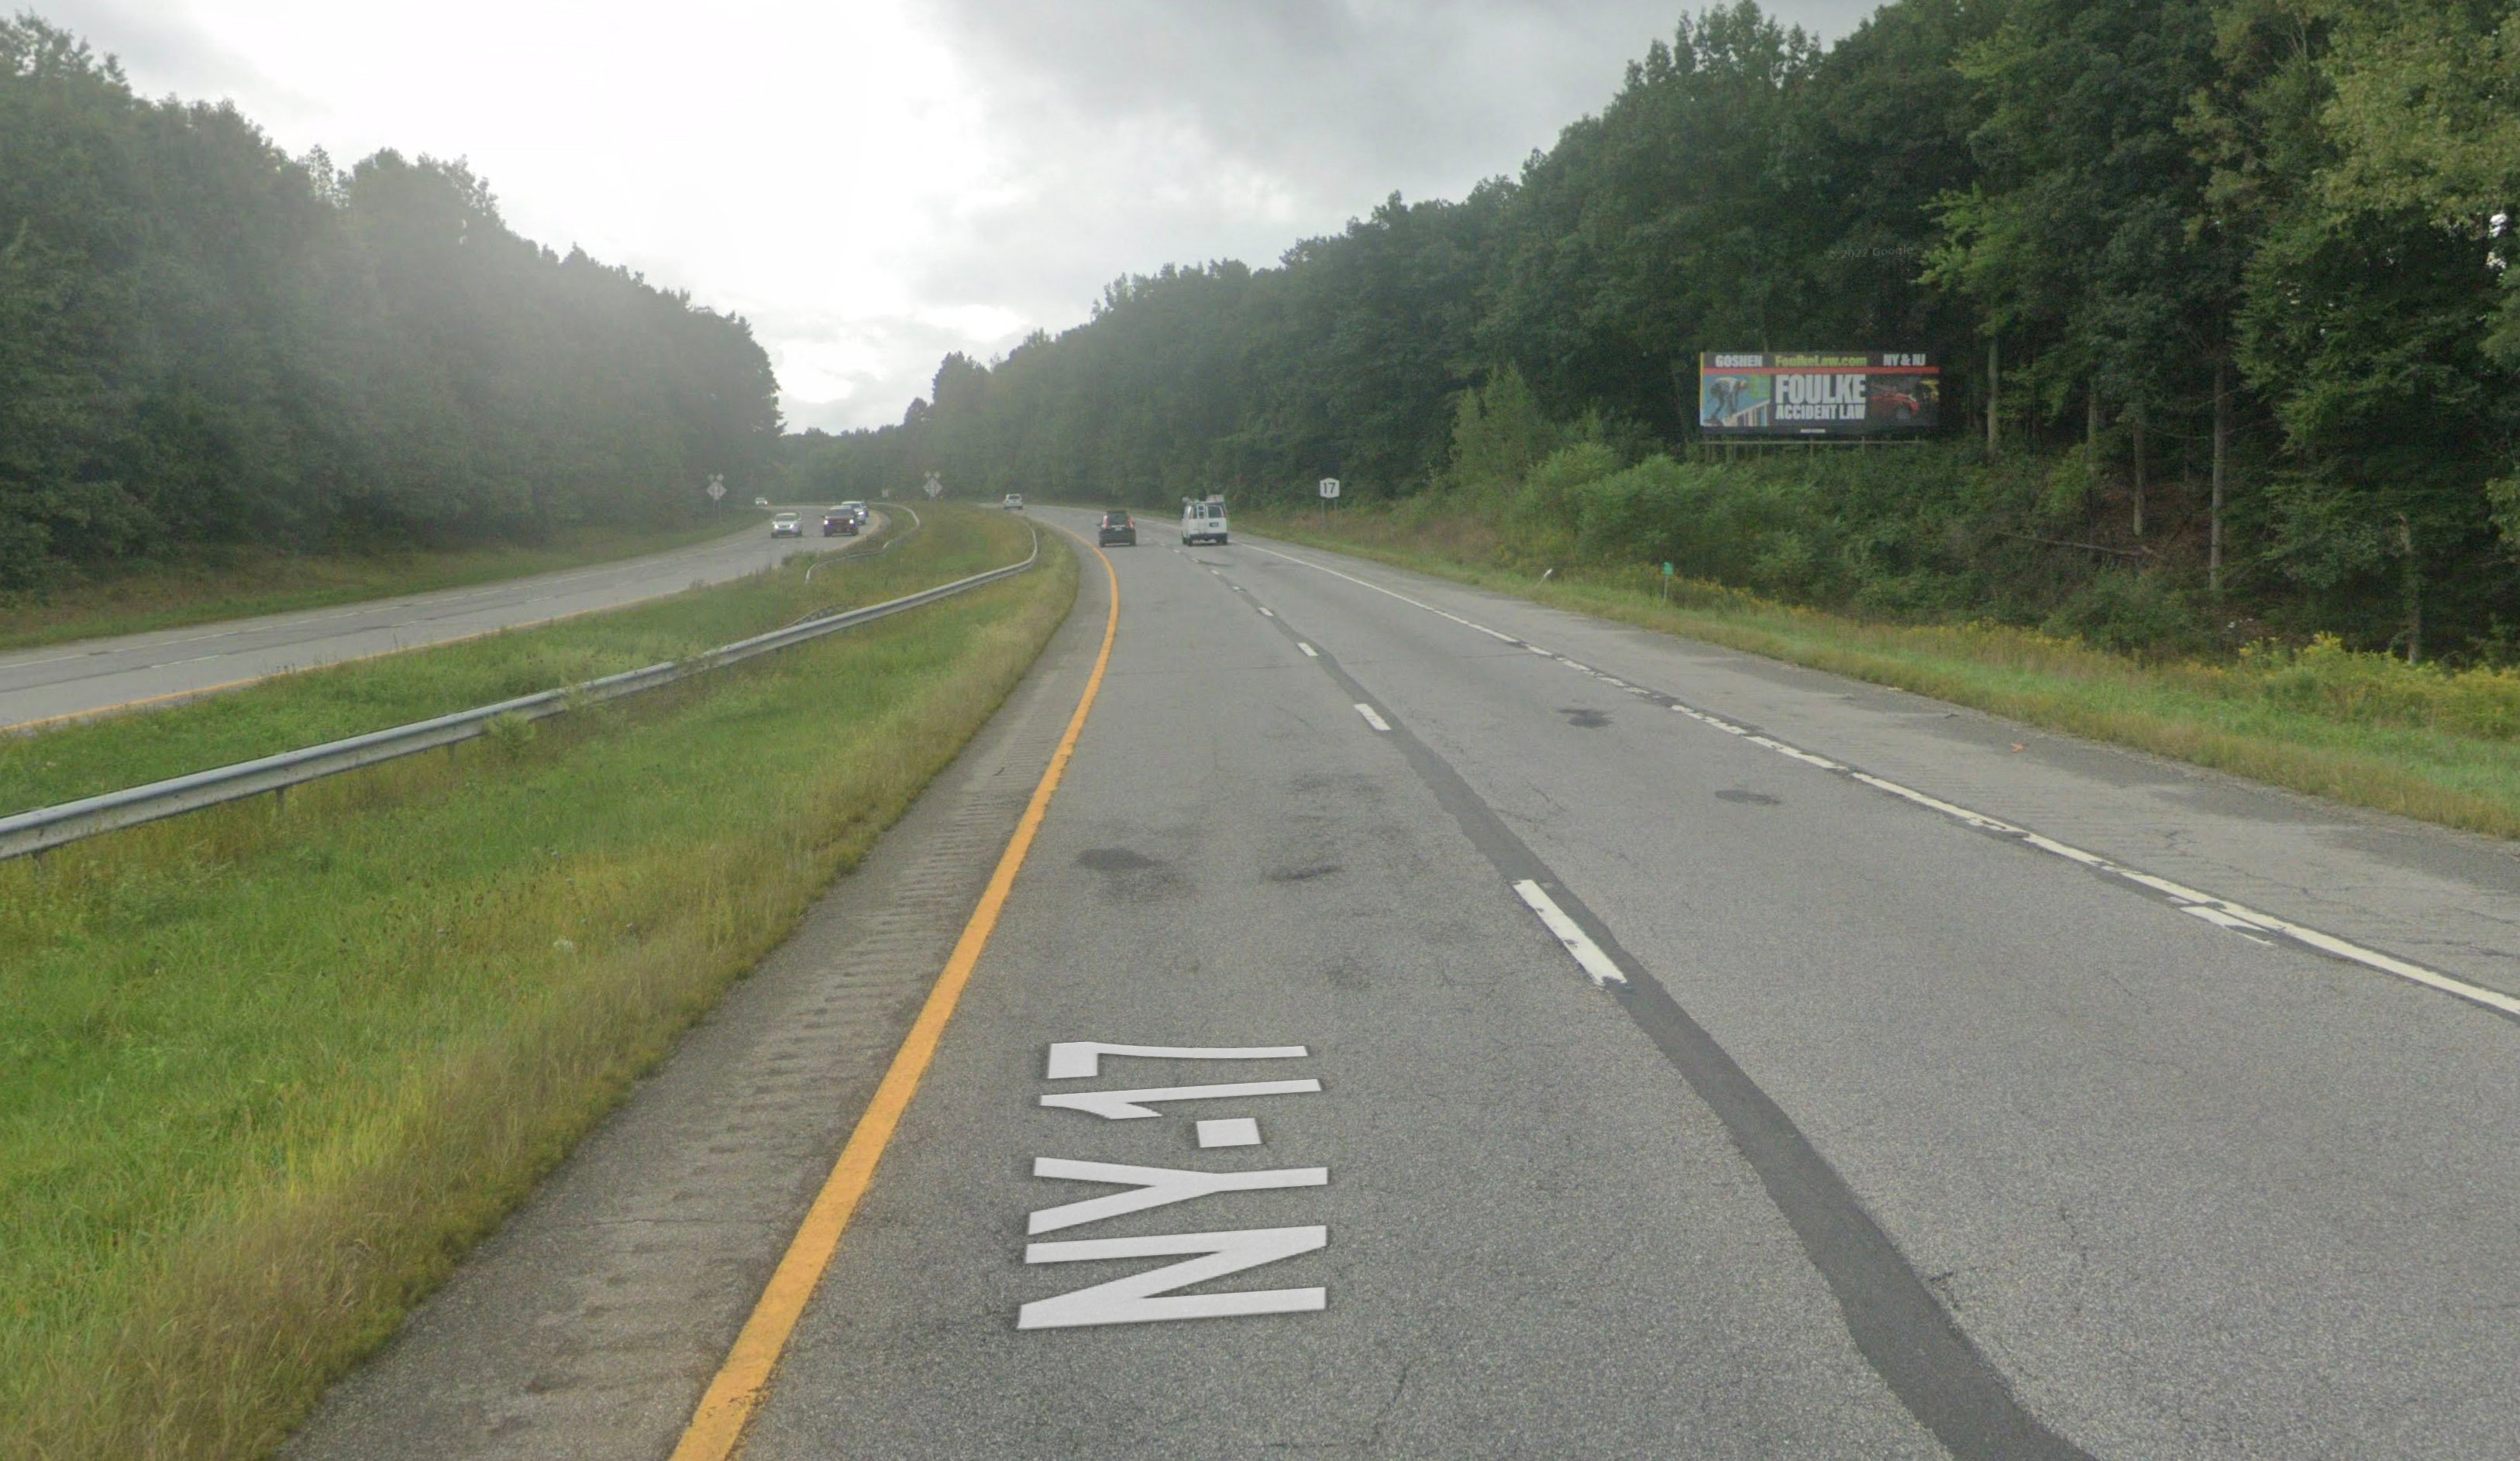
2326	678
2130	613
511	733
1757	531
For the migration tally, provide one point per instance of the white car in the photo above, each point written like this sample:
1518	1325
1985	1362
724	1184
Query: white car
787	525
761	502
1203	521
1013	502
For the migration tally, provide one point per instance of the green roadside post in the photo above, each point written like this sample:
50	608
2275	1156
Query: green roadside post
1666	583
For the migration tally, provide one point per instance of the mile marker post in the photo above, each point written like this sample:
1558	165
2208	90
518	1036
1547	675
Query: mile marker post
1666	582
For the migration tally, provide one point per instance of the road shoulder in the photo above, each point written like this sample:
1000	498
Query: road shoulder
588	1324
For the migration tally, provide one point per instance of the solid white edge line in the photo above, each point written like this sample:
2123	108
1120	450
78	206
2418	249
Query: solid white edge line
1372	719
1588	956
2185	898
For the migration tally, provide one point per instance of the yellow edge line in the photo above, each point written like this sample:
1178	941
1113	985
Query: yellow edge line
716	1429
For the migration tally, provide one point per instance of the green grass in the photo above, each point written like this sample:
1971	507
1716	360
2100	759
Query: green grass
314	706
208	582
2363	728
265	1072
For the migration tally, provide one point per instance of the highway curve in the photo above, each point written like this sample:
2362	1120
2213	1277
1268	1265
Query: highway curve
57	682
1698	1057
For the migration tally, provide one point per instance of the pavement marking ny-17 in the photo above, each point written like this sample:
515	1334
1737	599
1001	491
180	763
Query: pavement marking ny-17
1152	1296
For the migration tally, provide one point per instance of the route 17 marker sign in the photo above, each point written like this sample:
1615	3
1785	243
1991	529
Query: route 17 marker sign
1330	487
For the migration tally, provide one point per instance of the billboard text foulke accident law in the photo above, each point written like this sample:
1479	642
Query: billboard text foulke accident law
1816	393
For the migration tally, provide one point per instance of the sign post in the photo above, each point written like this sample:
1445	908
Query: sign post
1666	583
1330	495
932	487
716	490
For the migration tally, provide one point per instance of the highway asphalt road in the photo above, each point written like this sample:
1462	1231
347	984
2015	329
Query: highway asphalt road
57	682
1699	1057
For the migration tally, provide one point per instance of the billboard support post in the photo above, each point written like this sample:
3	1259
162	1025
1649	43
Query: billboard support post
1993	393
2221	451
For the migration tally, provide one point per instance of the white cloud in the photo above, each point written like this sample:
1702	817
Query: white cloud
875	183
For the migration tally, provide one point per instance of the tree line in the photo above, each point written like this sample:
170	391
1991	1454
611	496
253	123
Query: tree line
2221	289
204	340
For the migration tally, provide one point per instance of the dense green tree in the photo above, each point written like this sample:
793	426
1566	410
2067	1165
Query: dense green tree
203	339
2248	263
1669	223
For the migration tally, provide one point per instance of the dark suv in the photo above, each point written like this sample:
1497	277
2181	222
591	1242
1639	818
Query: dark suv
1117	528
839	522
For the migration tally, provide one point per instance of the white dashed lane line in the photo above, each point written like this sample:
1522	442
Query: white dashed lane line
1908	1335
1588	956
2252	923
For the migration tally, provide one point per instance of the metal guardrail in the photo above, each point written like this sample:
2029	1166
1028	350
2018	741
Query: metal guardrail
48	828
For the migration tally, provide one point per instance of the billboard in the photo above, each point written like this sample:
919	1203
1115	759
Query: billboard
1816	393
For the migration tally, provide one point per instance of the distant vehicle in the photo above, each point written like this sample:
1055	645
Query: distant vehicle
1117	528
840	522
857	510
1203	521
761	502
787	525
1013	502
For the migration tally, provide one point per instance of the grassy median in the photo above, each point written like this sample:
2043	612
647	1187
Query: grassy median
266	1071
204	583
313	706
2420	741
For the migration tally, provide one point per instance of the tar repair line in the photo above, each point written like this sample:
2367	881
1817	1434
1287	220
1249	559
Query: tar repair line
716	1429
1897	1323
2221	913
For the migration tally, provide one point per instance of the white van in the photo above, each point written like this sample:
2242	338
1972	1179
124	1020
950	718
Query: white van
1203	521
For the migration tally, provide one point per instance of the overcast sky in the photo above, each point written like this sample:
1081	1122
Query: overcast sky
873	183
